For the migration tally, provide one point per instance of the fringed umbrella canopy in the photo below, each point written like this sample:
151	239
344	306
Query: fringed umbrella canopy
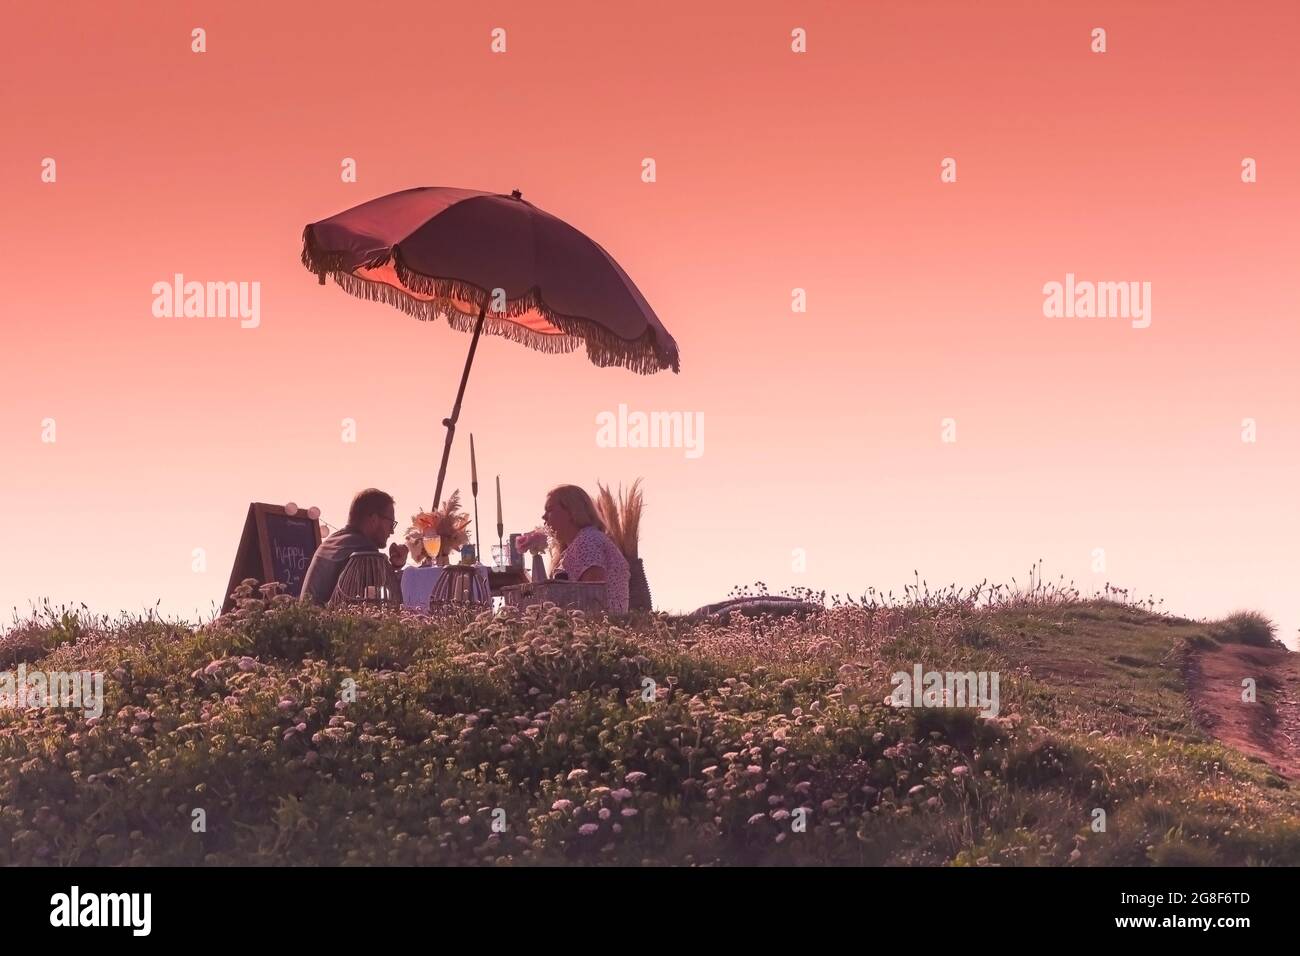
439	251
490	263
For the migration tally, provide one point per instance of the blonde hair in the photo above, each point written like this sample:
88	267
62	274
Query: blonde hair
578	504
580	507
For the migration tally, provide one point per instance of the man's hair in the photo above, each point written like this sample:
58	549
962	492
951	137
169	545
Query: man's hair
366	503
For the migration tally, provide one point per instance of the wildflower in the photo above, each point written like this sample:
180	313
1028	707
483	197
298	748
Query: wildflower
628	811
564	806
621	794
589	829
578	774
636	776
961	771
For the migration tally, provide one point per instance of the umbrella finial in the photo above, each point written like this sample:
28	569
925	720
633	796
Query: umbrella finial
516	194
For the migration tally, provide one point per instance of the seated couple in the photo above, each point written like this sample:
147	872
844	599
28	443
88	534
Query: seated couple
584	552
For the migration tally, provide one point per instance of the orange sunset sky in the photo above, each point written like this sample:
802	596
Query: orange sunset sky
775	170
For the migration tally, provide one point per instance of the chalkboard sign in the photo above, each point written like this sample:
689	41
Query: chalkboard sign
275	546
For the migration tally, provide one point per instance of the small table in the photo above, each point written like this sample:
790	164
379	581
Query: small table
417	584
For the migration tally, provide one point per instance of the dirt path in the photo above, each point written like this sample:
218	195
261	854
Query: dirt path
1270	727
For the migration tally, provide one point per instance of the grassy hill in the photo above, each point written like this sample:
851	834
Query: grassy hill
522	739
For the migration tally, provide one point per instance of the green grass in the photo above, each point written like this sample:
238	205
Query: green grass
1246	627
538	723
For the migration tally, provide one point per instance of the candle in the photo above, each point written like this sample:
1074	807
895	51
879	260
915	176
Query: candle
473	467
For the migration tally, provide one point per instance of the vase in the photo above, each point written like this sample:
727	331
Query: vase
638	590
539	569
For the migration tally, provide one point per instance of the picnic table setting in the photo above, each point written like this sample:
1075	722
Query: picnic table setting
495	264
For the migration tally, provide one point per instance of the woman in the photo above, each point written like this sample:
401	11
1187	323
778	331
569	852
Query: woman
585	552
419	558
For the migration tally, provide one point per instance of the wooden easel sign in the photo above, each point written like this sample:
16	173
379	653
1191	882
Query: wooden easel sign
275	546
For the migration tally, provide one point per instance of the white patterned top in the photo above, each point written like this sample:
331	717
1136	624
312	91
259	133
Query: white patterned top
593	548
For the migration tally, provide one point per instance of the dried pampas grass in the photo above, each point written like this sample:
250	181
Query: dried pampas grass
622	516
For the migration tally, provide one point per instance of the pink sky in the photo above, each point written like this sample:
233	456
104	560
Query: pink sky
775	170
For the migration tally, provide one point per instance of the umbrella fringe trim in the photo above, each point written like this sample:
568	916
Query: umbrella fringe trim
643	354
432	310
604	348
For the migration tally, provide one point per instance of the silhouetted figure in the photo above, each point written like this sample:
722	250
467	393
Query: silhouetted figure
586	552
371	521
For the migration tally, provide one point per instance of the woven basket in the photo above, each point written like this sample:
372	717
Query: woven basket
585	596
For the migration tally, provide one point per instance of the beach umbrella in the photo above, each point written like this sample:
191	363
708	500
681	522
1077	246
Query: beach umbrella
490	263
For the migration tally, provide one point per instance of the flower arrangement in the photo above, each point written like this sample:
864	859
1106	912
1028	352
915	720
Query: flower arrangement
622	518
448	524
534	542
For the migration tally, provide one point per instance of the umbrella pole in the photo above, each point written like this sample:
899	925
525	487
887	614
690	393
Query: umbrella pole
455	410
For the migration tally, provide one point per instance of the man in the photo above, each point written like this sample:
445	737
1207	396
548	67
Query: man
371	521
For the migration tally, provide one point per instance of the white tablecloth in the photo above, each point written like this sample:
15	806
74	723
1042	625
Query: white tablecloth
417	585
